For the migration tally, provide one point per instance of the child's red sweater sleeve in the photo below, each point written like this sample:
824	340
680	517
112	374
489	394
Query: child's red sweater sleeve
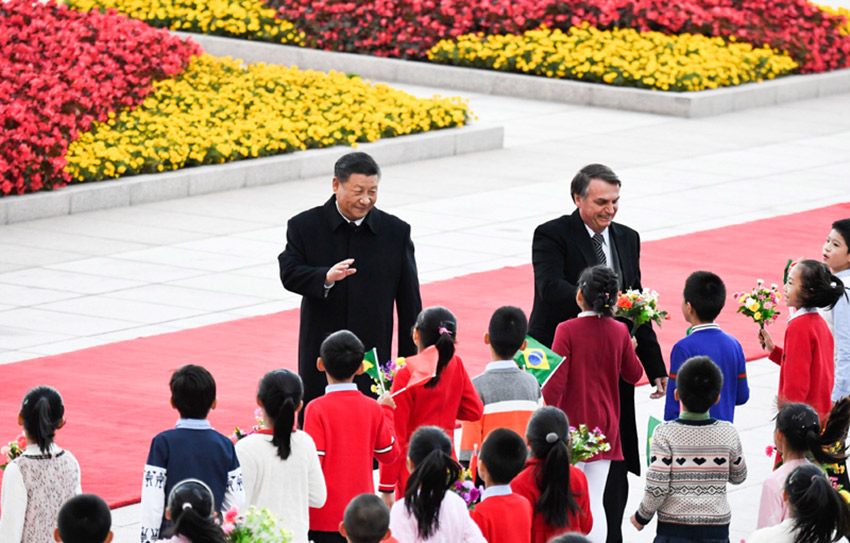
386	446
797	362
471	407
314	427
389	472
631	371
776	355
579	489
555	386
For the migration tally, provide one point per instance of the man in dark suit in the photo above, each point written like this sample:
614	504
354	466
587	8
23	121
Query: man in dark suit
561	249
351	262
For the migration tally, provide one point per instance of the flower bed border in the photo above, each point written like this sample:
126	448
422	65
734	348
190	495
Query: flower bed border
142	189
704	103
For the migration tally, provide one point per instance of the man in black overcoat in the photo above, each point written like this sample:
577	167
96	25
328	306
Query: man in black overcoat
351	262
561	250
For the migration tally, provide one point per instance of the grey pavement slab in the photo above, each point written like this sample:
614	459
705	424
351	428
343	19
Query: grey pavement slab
77	281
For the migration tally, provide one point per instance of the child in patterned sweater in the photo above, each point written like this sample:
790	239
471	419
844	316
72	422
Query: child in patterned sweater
691	460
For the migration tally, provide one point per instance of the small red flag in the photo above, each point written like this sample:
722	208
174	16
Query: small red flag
423	367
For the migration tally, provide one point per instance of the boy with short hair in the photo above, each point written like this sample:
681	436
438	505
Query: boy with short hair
349	429
85	518
509	394
367	520
703	299
691	460
192	450
503	516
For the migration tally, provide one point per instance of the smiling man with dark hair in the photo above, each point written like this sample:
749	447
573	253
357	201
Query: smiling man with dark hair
352	263
562	248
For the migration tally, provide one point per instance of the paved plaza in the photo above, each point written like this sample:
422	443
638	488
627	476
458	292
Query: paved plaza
77	281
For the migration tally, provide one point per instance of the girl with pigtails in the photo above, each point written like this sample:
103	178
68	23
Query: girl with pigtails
429	512
799	435
193	517
449	396
817	512
556	490
280	468
598	352
37	483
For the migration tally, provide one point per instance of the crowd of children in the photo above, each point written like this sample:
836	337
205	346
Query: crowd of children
319	480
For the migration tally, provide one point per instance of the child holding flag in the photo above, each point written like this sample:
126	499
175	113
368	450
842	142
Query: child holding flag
349	429
429	392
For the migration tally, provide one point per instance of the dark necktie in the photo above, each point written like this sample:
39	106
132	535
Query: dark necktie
352	226
597	246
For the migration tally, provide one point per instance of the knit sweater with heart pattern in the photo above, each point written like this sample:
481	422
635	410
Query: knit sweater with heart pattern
690	462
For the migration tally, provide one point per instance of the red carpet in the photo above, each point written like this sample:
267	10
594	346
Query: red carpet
116	395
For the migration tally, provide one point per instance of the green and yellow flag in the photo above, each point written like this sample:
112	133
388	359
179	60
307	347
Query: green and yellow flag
538	360
373	369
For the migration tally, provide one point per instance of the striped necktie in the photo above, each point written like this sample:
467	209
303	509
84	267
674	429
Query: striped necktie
598	240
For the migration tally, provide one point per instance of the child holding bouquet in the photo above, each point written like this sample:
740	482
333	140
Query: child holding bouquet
597	352
806	362
447	397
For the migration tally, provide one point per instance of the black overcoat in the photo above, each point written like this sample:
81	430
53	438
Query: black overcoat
560	251
383	255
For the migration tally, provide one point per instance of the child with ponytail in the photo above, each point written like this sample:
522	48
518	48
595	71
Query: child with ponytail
429	512
37	483
557	490
597	352
806	363
798	434
817	512
280	467
446	398
191	509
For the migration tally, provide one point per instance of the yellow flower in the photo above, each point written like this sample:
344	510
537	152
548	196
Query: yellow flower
757	315
622	56
753	306
220	110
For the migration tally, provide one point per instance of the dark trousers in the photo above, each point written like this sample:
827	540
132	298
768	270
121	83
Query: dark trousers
325	537
614	500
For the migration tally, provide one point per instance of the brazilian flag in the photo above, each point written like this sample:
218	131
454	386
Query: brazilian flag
538	360
372	369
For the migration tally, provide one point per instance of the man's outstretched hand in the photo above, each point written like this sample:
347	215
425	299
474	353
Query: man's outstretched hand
339	271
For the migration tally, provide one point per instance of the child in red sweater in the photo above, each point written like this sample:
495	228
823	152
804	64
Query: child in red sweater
502	515
597	352
349	429
447	397
806	363
557	490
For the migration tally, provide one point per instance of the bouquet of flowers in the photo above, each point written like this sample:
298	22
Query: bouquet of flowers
238	433
382	374
640	307
585	444
465	488
258	526
13	450
760	304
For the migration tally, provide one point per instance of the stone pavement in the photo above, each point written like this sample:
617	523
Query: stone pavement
76	281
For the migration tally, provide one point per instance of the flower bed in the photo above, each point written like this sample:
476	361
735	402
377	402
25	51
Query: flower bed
60	70
409	28
620	57
250	19
219	110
